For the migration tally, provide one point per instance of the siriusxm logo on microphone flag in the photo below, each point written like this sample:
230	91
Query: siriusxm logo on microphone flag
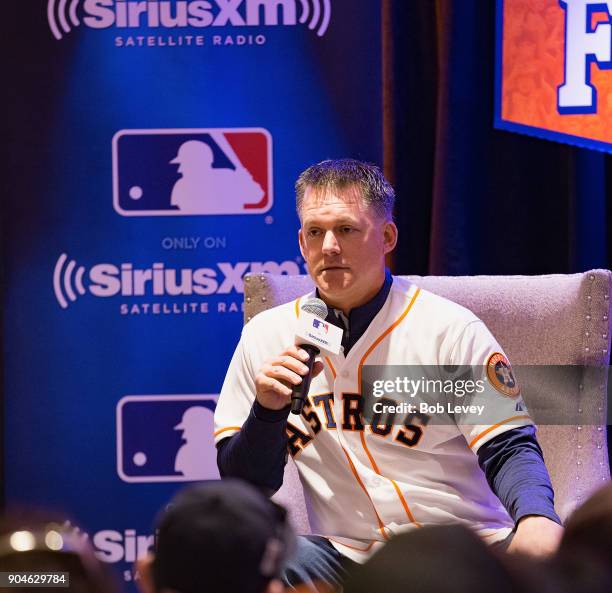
166	438
65	15
186	172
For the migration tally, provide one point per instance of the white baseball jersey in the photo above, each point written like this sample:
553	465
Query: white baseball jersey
363	483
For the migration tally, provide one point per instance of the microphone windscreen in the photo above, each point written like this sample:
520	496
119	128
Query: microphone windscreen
315	307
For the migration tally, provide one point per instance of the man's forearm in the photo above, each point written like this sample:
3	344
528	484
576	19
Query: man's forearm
257	453
515	471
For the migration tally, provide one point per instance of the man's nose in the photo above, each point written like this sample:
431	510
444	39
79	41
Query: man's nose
330	244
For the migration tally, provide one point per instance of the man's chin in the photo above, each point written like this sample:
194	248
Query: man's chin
333	288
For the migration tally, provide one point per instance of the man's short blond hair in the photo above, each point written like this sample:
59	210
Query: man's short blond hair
341	174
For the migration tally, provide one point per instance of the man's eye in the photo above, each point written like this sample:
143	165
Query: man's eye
346	229
313	232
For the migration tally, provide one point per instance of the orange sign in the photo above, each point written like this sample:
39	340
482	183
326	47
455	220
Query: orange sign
554	70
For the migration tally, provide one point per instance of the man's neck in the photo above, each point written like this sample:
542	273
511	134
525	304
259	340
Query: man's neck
346	305
359	318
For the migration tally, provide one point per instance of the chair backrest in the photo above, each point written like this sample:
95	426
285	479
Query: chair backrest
539	320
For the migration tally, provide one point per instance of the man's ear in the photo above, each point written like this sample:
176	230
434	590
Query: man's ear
389	236
145	572
302	243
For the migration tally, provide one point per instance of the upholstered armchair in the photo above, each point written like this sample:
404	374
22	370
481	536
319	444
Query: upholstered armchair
538	320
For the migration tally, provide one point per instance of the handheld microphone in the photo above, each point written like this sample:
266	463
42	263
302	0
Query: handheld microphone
299	392
314	335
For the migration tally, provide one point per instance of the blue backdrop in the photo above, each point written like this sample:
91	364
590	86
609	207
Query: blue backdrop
124	291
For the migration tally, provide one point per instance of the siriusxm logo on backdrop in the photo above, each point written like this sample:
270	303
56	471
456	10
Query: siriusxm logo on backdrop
65	15
114	546
166	438
186	172
104	280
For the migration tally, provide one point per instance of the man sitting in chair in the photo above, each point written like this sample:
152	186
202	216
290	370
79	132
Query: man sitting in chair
365	482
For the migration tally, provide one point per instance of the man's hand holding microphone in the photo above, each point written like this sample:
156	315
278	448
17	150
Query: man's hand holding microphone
276	378
286	379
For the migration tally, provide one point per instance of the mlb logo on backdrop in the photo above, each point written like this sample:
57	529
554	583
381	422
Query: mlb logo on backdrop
187	172
166	438
554	70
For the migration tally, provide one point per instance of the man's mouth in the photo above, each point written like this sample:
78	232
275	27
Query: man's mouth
333	268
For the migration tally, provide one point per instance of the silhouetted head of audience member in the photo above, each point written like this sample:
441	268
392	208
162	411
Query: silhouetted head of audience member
584	558
218	537
589	528
436	559
31	541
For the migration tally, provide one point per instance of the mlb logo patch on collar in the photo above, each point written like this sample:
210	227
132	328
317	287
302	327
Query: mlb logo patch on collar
500	375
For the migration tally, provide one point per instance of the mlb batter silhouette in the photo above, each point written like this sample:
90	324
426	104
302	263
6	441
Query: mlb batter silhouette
197	427
204	189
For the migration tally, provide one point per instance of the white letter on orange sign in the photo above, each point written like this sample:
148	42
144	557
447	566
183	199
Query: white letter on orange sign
582	46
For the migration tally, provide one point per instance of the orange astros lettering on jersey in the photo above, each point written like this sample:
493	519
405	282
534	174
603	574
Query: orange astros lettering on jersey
411	433
311	416
378	427
352	411
326	400
296	439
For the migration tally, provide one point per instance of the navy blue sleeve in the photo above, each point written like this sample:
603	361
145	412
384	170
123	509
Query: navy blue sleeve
515	470
258	452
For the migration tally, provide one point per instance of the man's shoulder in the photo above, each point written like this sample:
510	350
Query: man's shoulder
281	315
438	308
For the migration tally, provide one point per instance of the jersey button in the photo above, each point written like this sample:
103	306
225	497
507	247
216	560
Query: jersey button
344	374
